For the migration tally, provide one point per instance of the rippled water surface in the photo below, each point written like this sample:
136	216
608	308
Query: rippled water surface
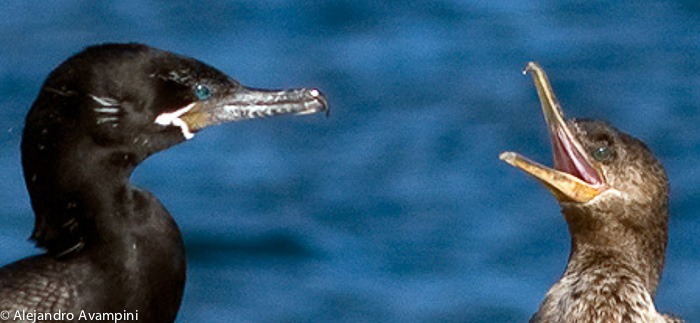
396	207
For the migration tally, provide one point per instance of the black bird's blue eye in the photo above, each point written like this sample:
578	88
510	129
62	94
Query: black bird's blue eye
202	92
602	154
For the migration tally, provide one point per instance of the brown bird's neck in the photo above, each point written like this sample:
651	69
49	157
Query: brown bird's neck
631	237
614	266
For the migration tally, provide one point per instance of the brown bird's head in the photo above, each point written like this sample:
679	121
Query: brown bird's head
612	190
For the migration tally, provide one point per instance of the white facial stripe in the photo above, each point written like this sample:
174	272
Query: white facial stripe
173	118
107	110
167	118
184	128
107	102
106	119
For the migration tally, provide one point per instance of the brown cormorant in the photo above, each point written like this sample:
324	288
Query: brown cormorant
112	247
613	193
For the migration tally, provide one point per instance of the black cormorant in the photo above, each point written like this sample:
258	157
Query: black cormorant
112	247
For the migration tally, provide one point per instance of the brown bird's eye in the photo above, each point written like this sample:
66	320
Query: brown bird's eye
602	154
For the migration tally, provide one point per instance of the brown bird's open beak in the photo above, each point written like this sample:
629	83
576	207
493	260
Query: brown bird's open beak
574	177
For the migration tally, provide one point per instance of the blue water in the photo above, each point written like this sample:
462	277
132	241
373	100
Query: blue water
396	207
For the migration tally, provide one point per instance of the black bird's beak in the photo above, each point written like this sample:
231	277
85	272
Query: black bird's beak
247	103
244	103
574	176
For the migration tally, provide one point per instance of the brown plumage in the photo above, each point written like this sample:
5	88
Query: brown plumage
614	196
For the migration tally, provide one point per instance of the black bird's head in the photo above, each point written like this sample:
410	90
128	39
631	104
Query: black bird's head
142	100
109	107
612	190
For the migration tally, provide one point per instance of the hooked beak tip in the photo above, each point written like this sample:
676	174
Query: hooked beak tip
318	102
531	66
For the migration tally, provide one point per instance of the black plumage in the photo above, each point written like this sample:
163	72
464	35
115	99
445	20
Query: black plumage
111	246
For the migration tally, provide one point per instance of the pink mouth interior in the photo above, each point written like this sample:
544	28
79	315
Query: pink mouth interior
570	160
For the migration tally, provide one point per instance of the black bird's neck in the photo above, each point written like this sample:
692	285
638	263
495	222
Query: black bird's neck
75	189
88	212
